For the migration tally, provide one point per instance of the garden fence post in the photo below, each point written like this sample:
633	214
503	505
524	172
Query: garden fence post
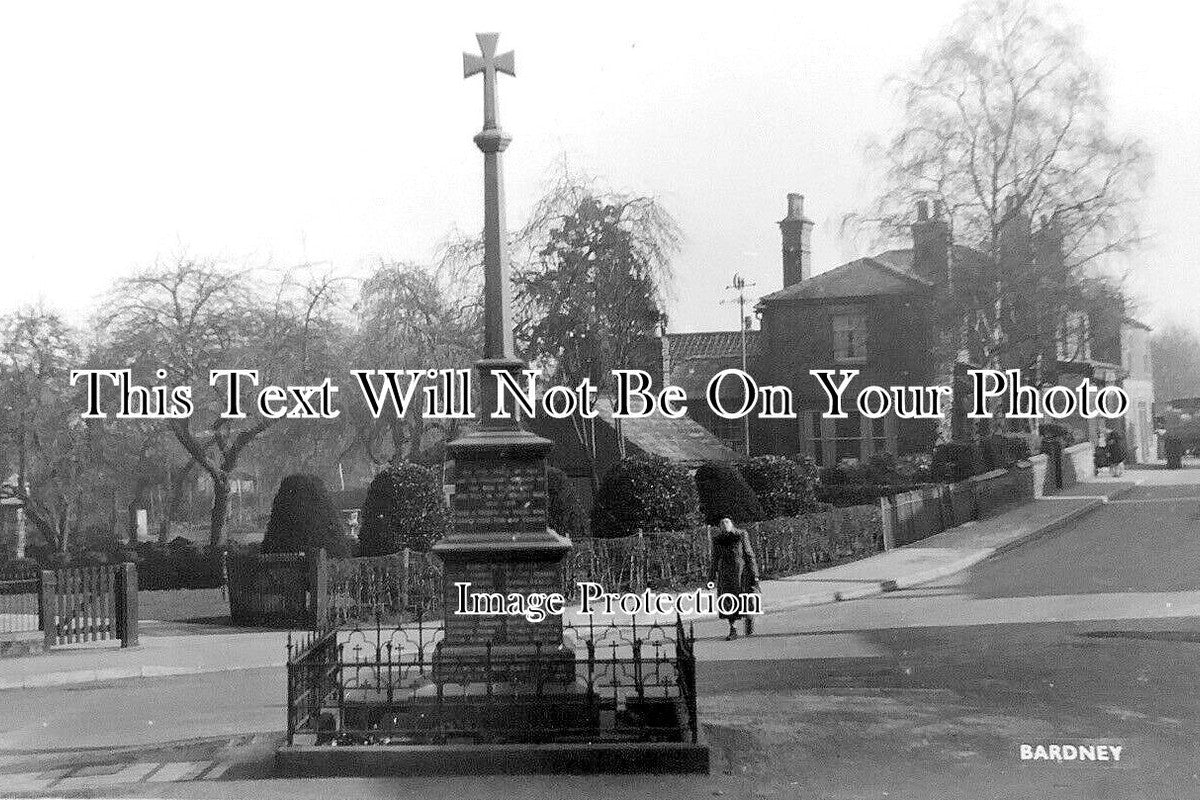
889	532
47	588
318	582
126	590
404	566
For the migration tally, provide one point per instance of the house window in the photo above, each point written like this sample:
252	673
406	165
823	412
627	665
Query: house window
831	440
876	429
847	438
850	338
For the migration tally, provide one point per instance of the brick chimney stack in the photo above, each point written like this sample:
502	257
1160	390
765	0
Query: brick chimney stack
796	230
931	244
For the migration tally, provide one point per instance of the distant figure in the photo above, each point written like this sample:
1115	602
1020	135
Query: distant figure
734	569
1117	452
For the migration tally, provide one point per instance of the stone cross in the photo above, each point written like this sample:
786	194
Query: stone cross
489	64
497	305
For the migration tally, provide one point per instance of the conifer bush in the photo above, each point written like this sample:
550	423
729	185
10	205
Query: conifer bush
303	518
644	493
724	492
404	507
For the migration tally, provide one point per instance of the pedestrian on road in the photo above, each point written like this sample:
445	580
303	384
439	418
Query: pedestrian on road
1117	452
734	569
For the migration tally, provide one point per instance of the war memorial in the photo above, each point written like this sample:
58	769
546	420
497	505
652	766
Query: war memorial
378	688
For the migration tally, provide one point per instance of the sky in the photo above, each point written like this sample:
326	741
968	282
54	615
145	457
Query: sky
340	134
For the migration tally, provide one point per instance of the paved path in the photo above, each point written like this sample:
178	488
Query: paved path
1089	631
945	554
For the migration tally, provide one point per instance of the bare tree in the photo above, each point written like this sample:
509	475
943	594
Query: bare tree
54	452
190	317
1005	124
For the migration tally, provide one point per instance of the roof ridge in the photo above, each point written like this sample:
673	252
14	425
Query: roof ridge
898	271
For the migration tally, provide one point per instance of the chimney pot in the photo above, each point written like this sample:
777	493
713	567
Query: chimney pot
797	232
922	210
795	206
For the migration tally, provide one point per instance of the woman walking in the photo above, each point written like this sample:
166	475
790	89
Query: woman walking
1117	452
734	569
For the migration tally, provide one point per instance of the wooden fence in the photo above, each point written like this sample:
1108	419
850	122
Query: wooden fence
270	589
72	606
912	516
674	560
289	589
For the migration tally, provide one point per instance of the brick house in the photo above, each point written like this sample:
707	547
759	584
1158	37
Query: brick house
880	315
874	314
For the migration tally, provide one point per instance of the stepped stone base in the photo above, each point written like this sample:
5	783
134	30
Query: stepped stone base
301	761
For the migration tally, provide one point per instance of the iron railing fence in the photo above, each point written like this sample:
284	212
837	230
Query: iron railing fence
403	685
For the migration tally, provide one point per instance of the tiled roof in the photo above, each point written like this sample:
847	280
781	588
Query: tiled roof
863	277
713	344
682	440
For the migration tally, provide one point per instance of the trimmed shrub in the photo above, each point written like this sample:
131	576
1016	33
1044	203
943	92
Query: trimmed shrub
724	493
1001	451
956	461
784	487
405	507
564	513
644	493
844	495
303	518
844	472
881	469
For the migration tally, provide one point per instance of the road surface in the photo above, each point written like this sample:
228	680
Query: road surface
1088	634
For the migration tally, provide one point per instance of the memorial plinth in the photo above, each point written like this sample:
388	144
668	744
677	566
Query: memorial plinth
500	543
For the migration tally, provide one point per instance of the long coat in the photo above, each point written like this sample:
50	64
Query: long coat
734	566
1117	451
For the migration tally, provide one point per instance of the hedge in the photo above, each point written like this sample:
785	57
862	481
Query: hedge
954	462
784	487
644	493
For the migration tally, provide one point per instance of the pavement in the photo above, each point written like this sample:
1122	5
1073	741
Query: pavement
175	653
941	555
1086	633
